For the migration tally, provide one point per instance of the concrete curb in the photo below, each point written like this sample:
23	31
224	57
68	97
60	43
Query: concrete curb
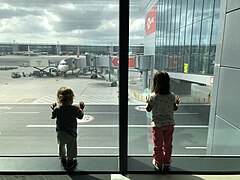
194	100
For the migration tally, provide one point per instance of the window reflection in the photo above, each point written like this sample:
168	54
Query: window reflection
46	45
190	8
191	43
198	10
208	8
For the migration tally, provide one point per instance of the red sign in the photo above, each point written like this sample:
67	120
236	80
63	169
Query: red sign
150	24
131	62
115	62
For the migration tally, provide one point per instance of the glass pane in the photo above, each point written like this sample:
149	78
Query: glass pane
205	46
188	39
137	122
213	44
174	51
198	10
178	13
183	13
190	8
50	44
208	8
217	6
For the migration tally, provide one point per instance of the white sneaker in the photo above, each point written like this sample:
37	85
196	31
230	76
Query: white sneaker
156	166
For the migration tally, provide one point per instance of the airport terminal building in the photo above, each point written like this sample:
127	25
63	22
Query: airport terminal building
63	49
182	36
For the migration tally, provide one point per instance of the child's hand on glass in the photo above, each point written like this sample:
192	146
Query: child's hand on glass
178	99
53	106
81	105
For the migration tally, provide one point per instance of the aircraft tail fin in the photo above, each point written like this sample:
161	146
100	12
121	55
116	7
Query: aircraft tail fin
78	53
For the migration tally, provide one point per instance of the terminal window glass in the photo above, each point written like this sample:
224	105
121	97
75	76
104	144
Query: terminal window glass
49	32
52	44
184	49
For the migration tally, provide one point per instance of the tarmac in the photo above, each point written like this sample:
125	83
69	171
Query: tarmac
37	90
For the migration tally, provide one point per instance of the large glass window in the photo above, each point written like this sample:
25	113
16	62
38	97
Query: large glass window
55	44
186	50
193	47
76	44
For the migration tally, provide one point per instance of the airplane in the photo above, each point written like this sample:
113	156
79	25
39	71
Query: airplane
29	52
71	64
26	53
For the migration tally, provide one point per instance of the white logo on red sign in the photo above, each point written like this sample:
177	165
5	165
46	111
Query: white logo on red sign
151	20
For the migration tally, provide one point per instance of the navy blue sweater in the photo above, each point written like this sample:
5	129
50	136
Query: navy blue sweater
67	118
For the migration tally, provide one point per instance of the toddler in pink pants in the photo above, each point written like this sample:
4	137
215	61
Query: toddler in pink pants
162	102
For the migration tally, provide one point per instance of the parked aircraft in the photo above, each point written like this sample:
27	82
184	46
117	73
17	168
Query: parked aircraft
72	63
30	53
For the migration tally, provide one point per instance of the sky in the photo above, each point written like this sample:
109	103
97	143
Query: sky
80	22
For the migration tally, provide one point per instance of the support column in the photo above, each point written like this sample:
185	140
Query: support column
145	79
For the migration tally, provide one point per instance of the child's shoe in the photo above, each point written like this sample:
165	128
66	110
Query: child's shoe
63	161
166	167
156	166
71	164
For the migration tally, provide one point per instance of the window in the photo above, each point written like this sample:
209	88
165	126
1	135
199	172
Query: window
40	38
46	35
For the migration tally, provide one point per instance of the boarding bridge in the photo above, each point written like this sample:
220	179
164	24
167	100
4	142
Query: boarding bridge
181	83
79	62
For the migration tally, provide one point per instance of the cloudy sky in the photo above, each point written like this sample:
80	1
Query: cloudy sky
84	22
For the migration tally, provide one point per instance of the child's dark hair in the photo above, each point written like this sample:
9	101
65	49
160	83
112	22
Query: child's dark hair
65	96
161	83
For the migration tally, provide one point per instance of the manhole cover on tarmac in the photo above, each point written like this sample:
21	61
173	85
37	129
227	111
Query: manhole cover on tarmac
141	108
85	119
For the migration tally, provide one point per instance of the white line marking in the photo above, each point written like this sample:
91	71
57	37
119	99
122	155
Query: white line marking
102	112
86	112
191	126
97	147
186	113
6	107
111	126
136	109
196	147
21	112
176	126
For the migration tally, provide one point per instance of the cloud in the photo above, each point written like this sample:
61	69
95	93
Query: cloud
83	21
